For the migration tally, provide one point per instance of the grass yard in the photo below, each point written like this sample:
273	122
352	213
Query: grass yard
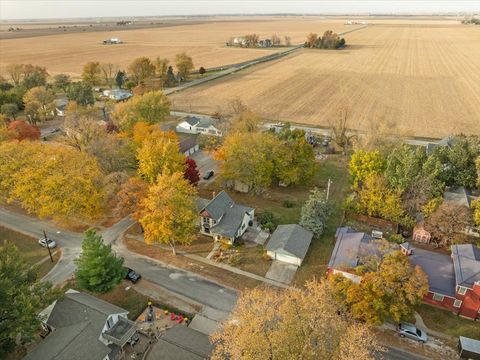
30	249
445	321
251	259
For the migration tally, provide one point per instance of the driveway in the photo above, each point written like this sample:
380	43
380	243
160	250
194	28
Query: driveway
281	272
205	163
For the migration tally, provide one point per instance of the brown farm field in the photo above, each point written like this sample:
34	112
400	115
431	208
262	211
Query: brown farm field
204	42
424	76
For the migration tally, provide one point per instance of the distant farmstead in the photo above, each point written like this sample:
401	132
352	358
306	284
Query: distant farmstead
117	94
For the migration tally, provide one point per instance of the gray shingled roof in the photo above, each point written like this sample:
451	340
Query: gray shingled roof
187	144
231	221
219	205
350	246
466	261
204	123
291	239
192	120
78	320
439	269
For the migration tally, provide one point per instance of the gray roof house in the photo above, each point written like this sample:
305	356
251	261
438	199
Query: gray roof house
289	243
83	327
222	219
466	262
198	125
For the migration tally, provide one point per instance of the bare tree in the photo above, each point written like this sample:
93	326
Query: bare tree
287	40
276	40
109	72
339	128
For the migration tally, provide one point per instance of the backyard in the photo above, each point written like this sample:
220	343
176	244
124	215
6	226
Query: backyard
30	250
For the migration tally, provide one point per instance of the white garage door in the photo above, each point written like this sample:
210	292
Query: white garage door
288	259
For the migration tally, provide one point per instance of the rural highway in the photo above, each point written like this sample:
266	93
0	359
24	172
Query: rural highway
186	284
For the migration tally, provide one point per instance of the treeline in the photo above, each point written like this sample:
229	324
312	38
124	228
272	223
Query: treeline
329	40
473	20
253	40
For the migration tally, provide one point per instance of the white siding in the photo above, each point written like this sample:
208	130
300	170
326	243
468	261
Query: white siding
355	278
289	259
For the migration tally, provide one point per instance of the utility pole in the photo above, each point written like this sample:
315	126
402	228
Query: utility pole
48	247
328	188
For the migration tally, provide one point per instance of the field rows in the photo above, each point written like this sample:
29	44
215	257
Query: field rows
426	79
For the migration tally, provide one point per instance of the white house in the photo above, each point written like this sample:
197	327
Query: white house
81	326
289	244
222	219
196	125
117	94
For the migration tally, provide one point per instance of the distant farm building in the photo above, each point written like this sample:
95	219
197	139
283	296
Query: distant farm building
265	43
117	94
196	125
112	41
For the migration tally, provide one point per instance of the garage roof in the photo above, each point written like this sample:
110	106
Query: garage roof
290	239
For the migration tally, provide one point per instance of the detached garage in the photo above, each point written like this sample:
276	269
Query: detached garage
289	244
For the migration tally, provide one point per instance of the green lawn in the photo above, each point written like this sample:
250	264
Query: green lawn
29	249
446	322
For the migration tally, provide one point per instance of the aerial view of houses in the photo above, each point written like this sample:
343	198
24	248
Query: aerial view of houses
239	180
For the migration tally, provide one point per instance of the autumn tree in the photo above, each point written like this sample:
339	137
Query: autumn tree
109	71
20	130
130	197
141	69
39	104
191	172
184	65
476	212
62	81
159	155
246	121
169	211
391	292
10	110
364	164
21	297
161	68
91	73
279	324
152	107
81	93
276	40
447	223
98	268
34	76
51	180
287	40
251	40
341	135
312	40
15	71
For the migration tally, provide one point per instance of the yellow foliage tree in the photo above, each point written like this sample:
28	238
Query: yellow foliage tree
91	73
51	180
364	164
292	324
159	155
39	104
169	211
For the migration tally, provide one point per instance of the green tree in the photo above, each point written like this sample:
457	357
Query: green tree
391	292
98	268
184	65
364	164
152	107
120	78
34	76
91	73
169	211
10	110
141	69
81	93
21	298
62	81
15	71
315	212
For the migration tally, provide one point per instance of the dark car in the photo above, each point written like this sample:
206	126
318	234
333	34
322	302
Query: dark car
132	275
208	175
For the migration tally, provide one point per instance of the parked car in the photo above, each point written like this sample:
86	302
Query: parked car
208	175
412	332
132	275
47	242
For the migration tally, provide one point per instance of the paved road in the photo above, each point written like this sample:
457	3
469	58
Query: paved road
188	285
399	354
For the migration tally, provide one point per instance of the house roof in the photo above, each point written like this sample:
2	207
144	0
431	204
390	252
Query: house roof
181	343
470	344
291	239
191	120
78	320
466	261
458	196
350	245
187	144
439	269
227	215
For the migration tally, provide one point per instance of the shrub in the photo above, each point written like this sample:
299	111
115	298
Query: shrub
267	220
396	238
288	203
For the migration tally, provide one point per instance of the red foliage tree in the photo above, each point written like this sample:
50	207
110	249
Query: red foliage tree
20	130
191	172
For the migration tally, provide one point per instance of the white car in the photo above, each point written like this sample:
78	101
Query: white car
51	243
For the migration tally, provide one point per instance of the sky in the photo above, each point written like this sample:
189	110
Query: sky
51	9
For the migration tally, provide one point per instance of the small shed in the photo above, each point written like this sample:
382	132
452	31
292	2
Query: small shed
469	348
289	243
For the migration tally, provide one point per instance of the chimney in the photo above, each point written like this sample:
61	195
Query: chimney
213	194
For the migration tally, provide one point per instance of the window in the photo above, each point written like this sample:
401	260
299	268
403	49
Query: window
457	303
438	297
462	290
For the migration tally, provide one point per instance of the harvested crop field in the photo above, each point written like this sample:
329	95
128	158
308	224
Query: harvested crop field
424	77
204	42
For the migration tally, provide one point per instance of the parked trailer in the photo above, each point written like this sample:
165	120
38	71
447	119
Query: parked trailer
469	348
